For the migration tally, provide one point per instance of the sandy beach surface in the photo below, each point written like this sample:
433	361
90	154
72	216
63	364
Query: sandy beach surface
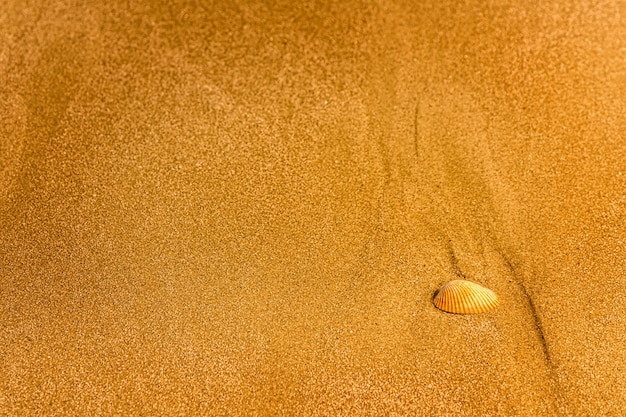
244	208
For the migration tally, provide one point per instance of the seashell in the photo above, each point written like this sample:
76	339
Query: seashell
465	297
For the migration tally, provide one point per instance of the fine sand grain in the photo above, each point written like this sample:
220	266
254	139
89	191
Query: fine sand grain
244	208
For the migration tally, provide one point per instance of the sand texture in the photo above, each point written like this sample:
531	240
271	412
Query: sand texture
244	208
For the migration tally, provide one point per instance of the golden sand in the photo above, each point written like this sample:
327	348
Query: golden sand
245	208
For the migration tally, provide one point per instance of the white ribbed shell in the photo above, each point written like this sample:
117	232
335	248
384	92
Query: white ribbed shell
465	297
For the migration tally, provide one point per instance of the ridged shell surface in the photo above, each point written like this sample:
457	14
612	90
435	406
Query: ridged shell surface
465	297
